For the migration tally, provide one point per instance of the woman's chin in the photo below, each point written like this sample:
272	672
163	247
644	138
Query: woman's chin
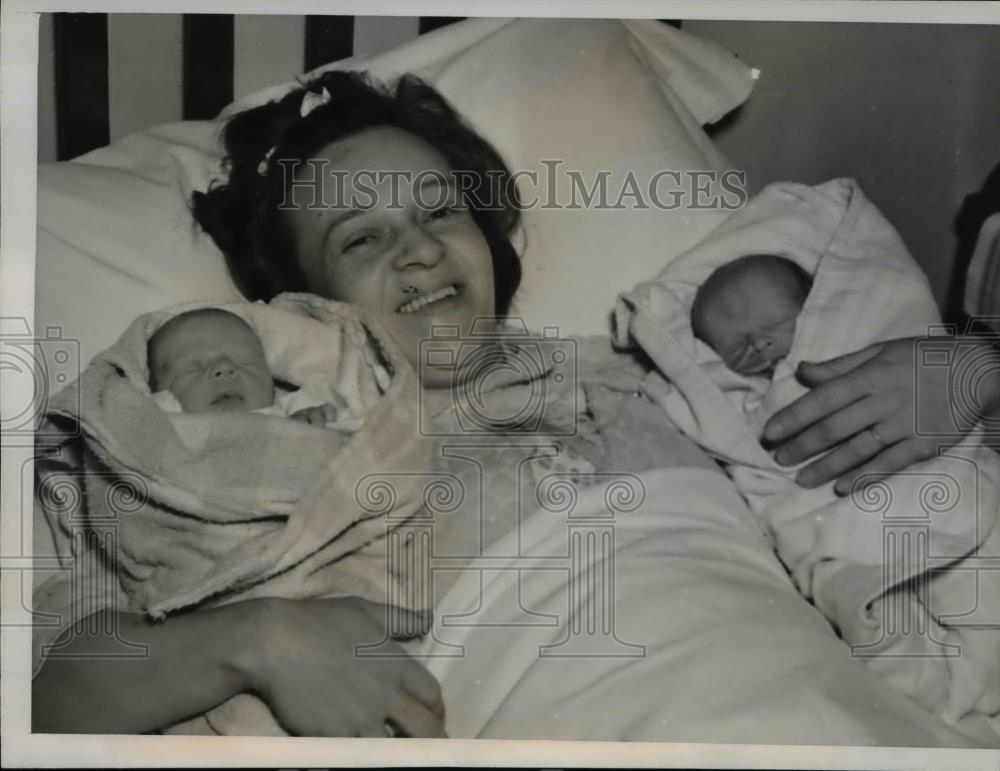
443	322
433	339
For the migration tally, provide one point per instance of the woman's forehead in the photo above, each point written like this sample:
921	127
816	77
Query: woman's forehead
381	149
379	168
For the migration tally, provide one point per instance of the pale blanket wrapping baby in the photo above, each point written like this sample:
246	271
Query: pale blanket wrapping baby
286	404
900	568
204	509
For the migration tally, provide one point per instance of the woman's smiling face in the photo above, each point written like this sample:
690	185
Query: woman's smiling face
391	228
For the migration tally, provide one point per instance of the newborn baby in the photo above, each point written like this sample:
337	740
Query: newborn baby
211	360
746	311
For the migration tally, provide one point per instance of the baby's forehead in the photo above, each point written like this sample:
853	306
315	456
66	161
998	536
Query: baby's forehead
754	278
215	326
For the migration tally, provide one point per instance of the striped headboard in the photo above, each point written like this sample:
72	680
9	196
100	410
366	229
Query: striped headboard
102	76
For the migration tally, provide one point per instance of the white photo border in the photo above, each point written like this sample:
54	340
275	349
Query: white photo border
18	91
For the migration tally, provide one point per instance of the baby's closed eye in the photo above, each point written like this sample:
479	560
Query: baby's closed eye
736	351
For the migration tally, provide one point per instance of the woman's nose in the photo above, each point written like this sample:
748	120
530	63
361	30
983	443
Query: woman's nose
222	369
418	247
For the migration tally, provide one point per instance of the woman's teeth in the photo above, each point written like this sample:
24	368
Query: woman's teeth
423	302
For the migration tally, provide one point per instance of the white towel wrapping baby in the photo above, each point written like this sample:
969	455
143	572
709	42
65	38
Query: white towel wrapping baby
160	511
903	567
210	508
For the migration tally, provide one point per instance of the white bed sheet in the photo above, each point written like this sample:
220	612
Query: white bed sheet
730	652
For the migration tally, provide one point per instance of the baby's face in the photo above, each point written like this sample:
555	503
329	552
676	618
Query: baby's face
213	363
750	322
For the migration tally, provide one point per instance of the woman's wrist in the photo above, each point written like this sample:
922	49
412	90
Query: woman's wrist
196	660
254	621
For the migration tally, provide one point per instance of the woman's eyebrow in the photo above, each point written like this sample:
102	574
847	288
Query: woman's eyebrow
435	180
339	219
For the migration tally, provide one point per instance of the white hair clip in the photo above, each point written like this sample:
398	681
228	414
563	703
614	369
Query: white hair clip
262	166
311	100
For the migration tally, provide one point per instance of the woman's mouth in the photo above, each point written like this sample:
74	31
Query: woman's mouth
437	296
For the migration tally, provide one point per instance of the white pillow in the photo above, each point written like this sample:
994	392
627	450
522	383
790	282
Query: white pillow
116	239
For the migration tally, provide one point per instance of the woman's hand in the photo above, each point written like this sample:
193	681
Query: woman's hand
866	405
303	663
316	416
297	654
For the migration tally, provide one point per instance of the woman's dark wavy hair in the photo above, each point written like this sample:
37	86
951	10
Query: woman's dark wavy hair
242	216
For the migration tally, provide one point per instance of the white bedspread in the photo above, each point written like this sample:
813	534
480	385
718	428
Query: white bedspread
711	641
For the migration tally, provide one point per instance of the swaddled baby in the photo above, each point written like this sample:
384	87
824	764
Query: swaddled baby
747	311
216	504
893	565
211	360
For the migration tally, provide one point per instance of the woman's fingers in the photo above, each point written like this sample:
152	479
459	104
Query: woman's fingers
316	684
337	401
311	415
891	461
424	687
832	430
886	386
814	373
862	447
402	623
822	401
414	719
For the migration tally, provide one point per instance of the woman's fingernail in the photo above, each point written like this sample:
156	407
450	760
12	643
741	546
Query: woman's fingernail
773	429
781	457
805	479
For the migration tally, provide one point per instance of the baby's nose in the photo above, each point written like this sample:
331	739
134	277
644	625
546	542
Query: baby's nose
222	369
762	343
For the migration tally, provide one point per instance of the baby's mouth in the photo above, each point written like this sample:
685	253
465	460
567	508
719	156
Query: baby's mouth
229	400
762	368
443	294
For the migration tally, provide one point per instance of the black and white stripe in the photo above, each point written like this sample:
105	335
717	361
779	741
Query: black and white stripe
102	76
81	82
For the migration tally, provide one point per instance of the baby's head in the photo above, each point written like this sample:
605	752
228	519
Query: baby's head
211	361
746	311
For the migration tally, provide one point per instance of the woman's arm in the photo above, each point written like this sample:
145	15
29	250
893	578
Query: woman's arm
298	655
914	406
194	662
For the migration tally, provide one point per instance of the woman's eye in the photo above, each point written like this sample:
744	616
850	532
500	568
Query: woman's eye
357	242
361	237
442	213
449	211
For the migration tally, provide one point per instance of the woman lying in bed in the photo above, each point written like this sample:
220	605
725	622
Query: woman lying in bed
413	266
